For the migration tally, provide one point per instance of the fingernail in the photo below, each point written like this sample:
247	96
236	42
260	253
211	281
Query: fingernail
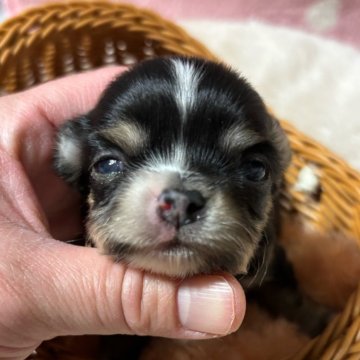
206	305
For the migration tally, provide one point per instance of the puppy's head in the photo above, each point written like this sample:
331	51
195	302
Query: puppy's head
179	161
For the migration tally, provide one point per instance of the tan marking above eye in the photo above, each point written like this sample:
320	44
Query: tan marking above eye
238	137
129	136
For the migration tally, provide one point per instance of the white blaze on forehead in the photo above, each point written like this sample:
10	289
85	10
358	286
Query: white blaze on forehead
187	79
175	161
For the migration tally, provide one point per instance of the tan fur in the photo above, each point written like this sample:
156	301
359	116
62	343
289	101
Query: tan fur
128	136
327	266
238	137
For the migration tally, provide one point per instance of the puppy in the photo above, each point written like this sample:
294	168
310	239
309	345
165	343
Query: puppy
180	162
181	166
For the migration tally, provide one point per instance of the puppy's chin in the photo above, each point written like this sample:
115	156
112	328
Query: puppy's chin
174	261
178	260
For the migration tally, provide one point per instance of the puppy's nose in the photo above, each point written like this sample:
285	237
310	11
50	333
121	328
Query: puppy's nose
180	207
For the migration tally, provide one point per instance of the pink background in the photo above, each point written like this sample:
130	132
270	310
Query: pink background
337	19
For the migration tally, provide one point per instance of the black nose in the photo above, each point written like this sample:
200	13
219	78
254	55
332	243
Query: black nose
180	207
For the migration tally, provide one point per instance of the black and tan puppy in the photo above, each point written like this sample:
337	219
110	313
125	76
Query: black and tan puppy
181	164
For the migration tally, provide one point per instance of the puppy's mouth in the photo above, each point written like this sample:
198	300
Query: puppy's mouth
177	245
172	244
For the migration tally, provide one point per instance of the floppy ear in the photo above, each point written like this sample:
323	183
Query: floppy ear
281	143
70	150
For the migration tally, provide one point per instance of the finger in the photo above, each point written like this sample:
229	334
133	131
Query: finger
27	134
32	114
62	99
88	293
69	97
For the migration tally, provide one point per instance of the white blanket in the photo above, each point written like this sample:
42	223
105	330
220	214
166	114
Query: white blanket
312	82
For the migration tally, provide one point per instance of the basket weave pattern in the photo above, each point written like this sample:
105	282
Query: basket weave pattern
50	41
54	40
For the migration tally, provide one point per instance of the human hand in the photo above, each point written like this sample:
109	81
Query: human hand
50	288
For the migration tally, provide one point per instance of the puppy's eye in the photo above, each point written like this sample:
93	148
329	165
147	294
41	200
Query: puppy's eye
255	170
109	166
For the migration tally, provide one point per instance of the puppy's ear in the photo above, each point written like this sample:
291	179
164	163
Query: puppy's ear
281	143
70	150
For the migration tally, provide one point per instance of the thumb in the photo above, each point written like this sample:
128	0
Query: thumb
87	293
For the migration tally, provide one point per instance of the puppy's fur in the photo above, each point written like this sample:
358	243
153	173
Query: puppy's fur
333	257
183	124
181	164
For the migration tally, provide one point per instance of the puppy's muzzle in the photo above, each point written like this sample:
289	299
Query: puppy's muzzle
180	208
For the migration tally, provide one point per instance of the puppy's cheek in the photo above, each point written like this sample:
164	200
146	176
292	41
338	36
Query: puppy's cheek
232	237
240	232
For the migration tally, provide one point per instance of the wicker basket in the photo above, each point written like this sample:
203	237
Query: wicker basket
50	41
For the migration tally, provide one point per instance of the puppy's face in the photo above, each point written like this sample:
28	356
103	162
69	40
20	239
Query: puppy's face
179	160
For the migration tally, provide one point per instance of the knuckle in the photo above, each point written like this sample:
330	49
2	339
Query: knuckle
148	303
